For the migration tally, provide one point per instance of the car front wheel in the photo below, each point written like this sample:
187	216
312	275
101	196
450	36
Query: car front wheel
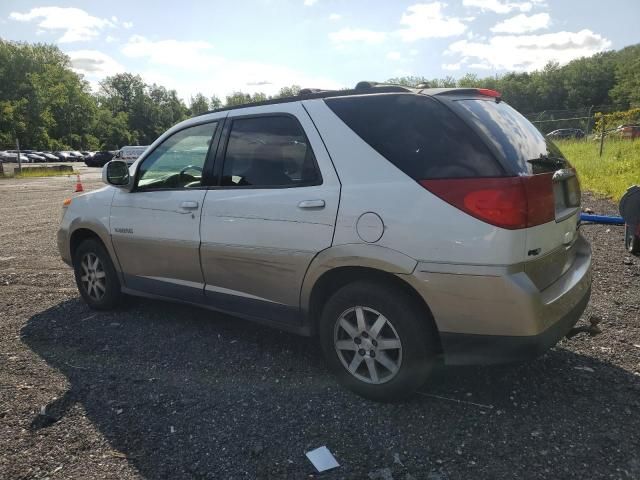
378	340
96	277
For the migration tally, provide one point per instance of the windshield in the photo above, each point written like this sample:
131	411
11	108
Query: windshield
514	137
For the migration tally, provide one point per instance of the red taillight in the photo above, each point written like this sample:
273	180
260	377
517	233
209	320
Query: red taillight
507	202
487	92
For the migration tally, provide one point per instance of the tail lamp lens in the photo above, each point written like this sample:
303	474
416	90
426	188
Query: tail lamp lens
506	202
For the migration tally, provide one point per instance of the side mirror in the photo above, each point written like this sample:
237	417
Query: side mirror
116	173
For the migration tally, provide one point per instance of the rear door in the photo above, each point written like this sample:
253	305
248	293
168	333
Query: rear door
273	210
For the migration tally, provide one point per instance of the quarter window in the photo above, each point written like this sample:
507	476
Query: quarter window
269	151
178	162
417	134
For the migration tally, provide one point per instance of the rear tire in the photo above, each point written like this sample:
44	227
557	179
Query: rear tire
96	277
378	340
632	241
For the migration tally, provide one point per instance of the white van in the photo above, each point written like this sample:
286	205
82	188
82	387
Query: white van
130	153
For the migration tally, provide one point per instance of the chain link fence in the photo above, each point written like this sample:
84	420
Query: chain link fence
585	122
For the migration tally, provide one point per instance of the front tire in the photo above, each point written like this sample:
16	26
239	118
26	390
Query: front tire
378	340
96	277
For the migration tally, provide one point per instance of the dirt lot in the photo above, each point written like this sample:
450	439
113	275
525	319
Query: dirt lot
157	390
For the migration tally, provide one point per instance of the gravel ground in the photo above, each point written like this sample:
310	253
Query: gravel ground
157	390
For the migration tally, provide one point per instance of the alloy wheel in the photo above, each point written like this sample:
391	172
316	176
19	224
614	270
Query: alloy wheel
368	345
93	276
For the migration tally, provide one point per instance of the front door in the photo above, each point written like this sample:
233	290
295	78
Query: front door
273	210
155	228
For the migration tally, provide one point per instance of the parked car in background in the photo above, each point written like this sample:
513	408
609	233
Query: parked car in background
50	157
12	156
86	154
36	157
565	133
76	155
629	132
63	156
99	159
396	225
131	153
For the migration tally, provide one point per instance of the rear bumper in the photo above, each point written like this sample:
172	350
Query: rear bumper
488	315
470	349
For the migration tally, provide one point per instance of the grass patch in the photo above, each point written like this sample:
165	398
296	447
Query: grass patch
609	175
35	173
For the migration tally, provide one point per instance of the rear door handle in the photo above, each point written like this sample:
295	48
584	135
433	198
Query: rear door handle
311	204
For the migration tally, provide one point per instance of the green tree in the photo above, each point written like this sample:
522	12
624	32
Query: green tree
626	91
198	104
119	92
112	130
41	98
150	109
237	98
215	102
258	97
290	91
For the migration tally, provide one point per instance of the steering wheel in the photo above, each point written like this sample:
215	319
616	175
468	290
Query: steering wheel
190	167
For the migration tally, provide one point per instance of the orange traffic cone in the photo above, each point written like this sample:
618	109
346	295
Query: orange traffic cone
79	187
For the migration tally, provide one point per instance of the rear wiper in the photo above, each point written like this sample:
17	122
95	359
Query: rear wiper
546	160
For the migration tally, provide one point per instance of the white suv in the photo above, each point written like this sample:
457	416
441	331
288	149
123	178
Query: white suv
398	225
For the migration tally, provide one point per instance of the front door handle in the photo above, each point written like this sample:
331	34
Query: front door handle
189	205
311	204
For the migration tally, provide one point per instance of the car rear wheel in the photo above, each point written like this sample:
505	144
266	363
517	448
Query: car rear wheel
632	241
96	277
377	340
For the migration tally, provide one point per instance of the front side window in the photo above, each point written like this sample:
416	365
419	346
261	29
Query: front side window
178	162
270	151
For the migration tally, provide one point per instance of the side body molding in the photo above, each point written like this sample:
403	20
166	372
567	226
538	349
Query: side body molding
353	255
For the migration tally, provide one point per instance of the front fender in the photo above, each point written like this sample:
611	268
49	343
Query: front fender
91	212
100	229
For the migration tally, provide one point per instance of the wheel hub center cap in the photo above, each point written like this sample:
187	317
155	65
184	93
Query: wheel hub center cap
366	344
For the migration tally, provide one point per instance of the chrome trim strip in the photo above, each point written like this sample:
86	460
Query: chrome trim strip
228	291
184	283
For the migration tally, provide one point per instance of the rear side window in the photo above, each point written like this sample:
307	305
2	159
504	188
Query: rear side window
269	151
418	135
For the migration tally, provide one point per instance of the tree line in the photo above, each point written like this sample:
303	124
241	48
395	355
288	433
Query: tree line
47	106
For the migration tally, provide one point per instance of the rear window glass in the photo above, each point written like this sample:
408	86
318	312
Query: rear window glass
418	135
516	139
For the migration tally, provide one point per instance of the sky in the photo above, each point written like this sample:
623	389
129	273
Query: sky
216	47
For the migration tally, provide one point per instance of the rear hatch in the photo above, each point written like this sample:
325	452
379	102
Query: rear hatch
551	184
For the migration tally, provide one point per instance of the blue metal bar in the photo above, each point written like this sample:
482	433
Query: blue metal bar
605	219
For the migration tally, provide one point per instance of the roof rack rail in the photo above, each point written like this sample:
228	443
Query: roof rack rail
313	93
310	91
367	85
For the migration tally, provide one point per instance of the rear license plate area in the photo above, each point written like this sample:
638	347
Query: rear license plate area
567	196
